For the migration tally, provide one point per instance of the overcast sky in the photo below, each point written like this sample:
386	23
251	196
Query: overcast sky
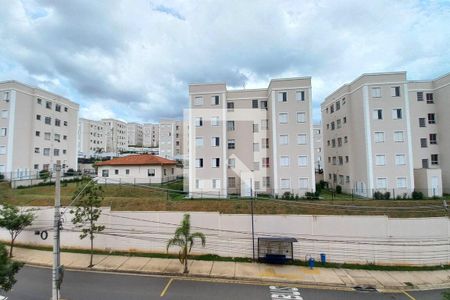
133	60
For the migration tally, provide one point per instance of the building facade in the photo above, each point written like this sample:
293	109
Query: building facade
318	147
116	135
135	134
171	138
374	132
253	140
37	128
151	135
91	137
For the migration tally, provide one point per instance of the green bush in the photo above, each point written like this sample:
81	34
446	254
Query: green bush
286	196
338	189
44	174
2	176
387	196
417	195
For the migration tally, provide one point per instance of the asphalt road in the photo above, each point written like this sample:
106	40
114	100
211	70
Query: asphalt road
34	284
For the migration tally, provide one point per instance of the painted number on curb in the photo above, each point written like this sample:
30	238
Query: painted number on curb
281	292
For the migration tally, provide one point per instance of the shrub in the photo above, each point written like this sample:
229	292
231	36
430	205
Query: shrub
338	189
387	195
417	195
378	195
312	196
287	196
323	184
70	172
2	176
44	174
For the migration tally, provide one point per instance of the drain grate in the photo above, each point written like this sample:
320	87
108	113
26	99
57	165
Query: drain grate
365	288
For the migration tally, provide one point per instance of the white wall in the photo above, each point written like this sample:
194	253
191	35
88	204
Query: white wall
357	239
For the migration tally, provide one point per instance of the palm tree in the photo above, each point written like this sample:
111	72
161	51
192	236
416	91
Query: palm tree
185	240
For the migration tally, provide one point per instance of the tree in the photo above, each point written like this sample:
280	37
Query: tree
8	269
446	295
15	221
185	240
87	212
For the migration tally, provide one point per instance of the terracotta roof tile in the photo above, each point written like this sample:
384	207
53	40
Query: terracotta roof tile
141	159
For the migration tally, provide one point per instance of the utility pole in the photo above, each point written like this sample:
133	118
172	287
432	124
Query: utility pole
56	228
253	227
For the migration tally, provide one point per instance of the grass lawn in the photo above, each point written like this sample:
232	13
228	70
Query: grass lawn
124	197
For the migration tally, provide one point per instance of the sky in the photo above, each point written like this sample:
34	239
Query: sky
133	60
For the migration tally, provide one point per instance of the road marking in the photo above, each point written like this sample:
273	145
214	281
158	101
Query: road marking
284	292
408	295
166	288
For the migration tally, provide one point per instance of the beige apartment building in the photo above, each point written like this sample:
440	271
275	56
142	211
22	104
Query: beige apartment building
374	130
171	139
252	140
91	137
318	147
135	134
116	135
151	135
37	128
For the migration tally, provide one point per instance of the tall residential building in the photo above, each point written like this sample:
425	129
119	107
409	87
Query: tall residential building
135	134
37	128
318	147
116	135
151	135
91	137
376	133
251	140
171	139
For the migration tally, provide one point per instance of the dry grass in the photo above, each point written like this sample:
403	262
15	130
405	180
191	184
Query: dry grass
142	199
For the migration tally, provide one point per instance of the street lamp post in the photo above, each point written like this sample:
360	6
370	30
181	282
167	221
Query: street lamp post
253	226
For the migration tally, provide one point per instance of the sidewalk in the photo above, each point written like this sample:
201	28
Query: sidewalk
337	278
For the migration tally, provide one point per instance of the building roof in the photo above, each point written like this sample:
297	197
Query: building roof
137	160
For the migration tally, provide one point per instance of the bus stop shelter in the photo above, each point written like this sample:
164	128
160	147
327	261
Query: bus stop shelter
276	250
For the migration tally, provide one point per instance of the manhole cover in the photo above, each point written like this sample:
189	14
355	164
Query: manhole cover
365	288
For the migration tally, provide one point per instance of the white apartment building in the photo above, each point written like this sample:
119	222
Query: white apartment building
374	130
318	147
91	137
116	135
251	140
37	128
171	138
135	134
151	135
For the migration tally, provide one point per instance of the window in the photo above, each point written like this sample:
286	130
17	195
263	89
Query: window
434	159
230	125
215	100
38	117
284	139
284	161
38	133
433	139
422	122
2	150
231	182
332	125
230	106
231	144
151	172
48	120
39	101
266	181
338	105
215	141
198	122
423	143
400	159
265	143
401	182
332	108
380	160
264	105
395	91
265	162
198	101
4	114
65	108
379	137
376	92
58	107
300	95
382	183
56	152
255	103
283	118
64	151
264	124
199	163
36	166
57	137
399	136
216	183
46	151
302	160
57	122
199	141
347	179
47	136
345	139
333	143
105	173
285	183
431	119
65	123
396	113
419	96
282	97
303	183
215	121
231	163
338	123
300	117
430	98
346	159
48	105
255	127
127	171
378	114
215	162
301	139
255	147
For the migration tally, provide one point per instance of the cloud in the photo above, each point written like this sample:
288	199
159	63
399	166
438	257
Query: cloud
134	60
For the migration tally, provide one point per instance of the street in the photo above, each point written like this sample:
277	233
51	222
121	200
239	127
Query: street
34	284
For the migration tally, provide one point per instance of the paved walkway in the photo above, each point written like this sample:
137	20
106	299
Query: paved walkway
338	278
